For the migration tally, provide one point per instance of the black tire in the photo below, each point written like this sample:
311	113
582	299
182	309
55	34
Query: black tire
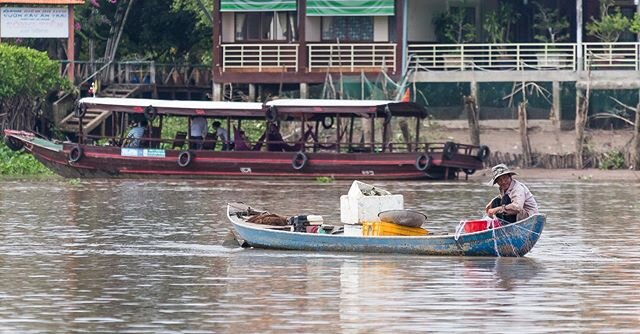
327	122
184	158
299	160
423	162
13	144
483	152
79	110
150	113
469	171
387	115
449	149
75	153
271	114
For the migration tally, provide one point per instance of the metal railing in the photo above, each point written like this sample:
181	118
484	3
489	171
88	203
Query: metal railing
352	57
260	57
492	57
611	56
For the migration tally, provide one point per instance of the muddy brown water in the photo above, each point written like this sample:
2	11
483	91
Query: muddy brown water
147	257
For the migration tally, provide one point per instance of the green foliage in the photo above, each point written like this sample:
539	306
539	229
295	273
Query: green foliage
27	73
612	160
610	25
634	24
497	24
452	28
550	23
324	179
20	163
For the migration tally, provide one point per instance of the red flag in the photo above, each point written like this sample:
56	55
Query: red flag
407	96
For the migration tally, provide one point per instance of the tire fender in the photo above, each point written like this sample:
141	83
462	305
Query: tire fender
13	143
75	153
184	158
423	162
299	160
483	152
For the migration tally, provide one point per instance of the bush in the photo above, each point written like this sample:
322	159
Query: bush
612	160
19	163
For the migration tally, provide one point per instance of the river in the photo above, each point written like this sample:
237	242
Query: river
147	257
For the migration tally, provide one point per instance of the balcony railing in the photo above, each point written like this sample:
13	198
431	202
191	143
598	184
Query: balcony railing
492	57
352	57
611	56
260	57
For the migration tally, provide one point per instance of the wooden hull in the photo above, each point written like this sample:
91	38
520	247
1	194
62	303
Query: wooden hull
114	162
511	240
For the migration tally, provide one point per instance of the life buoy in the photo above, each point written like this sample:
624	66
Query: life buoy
79	110
483	152
75	153
449	149
184	158
299	160
271	114
150	113
387	115
13	144
327	122
423	162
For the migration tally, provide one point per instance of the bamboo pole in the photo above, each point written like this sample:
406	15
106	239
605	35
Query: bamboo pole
473	118
524	134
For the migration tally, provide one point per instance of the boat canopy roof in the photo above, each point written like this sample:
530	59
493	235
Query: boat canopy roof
294	108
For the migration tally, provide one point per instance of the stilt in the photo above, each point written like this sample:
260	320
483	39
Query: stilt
304	90
555	91
217	92
252	92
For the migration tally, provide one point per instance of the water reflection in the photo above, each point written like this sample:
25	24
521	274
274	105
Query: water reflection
130	256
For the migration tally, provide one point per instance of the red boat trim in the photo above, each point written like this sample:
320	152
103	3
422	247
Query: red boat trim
136	171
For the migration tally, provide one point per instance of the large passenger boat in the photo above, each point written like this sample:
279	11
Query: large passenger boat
340	139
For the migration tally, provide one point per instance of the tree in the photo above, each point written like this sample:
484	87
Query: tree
452	28
27	76
610	24
497	24
550	23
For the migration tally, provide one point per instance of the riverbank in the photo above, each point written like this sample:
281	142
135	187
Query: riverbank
565	174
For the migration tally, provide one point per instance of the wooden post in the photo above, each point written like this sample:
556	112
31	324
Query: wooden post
252	92
635	163
404	128
473	118
582	105
524	134
70	45
556	118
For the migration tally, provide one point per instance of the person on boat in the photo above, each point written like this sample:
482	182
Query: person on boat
241	142
134	137
222	134
199	130
515	201
276	143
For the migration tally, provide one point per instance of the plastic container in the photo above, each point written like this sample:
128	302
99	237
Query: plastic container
377	229
471	226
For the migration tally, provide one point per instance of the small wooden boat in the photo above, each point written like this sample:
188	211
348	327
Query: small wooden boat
511	240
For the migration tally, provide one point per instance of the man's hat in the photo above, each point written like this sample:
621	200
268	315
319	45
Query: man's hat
499	170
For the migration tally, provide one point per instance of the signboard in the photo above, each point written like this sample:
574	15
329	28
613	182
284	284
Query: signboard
34	22
142	152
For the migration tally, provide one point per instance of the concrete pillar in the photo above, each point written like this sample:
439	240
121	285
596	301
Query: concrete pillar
252	92
217	92
304	90
555	91
473	85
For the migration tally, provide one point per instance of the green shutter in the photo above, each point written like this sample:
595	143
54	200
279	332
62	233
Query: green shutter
257	5
350	7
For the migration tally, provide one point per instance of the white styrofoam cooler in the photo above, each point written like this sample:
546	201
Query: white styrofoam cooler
356	207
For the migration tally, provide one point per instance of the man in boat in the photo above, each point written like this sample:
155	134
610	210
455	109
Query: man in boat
515	201
198	132
221	133
135	135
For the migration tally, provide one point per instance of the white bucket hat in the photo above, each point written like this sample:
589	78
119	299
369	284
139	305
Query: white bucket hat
499	170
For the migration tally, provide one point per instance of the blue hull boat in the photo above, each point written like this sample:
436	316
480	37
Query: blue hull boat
512	240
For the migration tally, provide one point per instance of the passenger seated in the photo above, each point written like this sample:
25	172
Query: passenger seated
241	141
275	142
135	135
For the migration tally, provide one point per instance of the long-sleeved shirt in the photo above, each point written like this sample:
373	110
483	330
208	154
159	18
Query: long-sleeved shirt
522	202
